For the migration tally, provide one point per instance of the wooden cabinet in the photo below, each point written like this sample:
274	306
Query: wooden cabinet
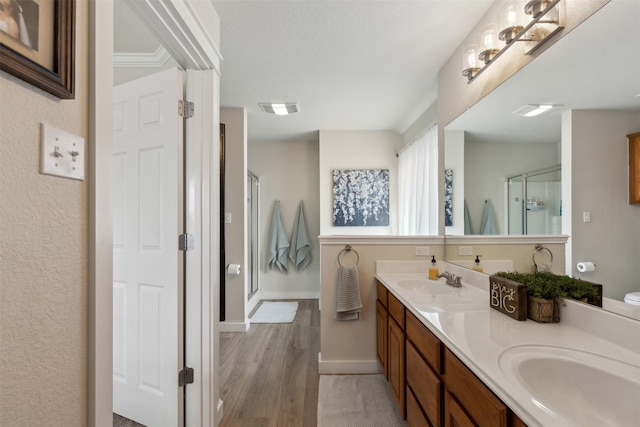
455	415
423	366
390	343
478	401
431	386
396	364
634	168
382	342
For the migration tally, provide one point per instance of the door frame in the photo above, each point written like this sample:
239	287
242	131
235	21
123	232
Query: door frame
189	30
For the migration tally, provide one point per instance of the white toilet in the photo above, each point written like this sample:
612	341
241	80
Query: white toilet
632	298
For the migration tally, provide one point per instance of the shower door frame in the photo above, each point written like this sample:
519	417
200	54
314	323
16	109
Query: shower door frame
523	202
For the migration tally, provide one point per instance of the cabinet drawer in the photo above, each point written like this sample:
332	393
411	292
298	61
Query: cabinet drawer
480	403
426	385
425	342
396	310
455	416
382	293
415	417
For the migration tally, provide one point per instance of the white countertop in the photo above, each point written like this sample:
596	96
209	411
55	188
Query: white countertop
479	335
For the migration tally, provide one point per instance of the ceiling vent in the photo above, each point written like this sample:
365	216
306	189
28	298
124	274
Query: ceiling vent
532	110
280	108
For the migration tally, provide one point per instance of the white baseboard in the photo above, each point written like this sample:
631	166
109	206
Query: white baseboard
219	412
348	366
234	326
289	295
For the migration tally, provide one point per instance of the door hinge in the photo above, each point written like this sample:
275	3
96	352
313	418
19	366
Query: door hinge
185	109
185	377
186	242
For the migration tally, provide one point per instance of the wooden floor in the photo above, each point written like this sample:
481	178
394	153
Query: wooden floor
269	376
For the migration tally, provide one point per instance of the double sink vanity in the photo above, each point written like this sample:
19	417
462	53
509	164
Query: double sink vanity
452	360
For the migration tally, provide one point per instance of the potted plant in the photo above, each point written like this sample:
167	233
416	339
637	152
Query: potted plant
544	290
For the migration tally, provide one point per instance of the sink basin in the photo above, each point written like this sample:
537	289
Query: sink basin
424	285
431	296
574	386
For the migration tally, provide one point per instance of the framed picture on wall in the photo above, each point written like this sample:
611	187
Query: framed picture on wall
37	43
361	198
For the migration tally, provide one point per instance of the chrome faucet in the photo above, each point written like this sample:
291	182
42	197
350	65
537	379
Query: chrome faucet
452	279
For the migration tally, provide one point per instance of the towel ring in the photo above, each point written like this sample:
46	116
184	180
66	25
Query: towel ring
540	248
348	249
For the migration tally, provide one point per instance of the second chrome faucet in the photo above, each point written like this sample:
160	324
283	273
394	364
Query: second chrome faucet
452	279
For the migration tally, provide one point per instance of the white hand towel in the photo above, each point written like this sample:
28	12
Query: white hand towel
300	249
277	245
348	304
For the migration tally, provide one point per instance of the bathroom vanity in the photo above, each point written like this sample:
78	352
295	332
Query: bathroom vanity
452	360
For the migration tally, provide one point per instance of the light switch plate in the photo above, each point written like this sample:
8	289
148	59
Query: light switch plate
61	153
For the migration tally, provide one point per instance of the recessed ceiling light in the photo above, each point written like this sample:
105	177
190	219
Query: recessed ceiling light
279	108
532	110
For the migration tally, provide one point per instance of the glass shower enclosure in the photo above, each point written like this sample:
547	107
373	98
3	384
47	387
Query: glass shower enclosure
253	233
535	202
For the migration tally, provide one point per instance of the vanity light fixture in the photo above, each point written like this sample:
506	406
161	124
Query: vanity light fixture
511	19
280	108
547	18
488	42
532	110
470	62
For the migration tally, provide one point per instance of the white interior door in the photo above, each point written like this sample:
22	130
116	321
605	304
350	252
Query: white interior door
147	265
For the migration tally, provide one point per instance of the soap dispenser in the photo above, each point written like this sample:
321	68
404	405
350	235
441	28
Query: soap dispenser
433	269
477	266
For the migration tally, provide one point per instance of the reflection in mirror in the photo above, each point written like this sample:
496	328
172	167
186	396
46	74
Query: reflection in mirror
534	202
491	151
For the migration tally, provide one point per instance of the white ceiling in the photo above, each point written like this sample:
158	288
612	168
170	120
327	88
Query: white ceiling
372	65
350	64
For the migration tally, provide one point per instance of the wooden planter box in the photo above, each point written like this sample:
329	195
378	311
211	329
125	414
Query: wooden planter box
543	310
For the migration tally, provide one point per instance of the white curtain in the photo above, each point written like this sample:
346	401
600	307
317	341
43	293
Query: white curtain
418	185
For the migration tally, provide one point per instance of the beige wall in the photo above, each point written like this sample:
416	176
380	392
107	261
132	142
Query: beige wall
357	150
486	165
520	253
288	172
235	120
43	257
599	178
350	346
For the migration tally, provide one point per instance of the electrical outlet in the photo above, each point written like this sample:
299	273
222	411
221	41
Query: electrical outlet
586	216
422	250
465	250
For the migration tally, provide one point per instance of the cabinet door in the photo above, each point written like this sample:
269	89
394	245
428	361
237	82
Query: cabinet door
396	364
381	337
426	385
454	415
415	416
478	401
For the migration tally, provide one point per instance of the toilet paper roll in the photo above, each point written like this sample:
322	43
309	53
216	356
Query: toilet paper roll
233	269
584	266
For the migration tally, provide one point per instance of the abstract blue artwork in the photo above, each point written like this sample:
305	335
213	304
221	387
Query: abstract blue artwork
361	198
448	197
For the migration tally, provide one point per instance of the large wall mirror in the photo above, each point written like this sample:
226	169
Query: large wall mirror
545	174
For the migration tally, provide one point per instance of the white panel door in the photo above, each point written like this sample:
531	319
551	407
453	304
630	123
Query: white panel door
147	266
